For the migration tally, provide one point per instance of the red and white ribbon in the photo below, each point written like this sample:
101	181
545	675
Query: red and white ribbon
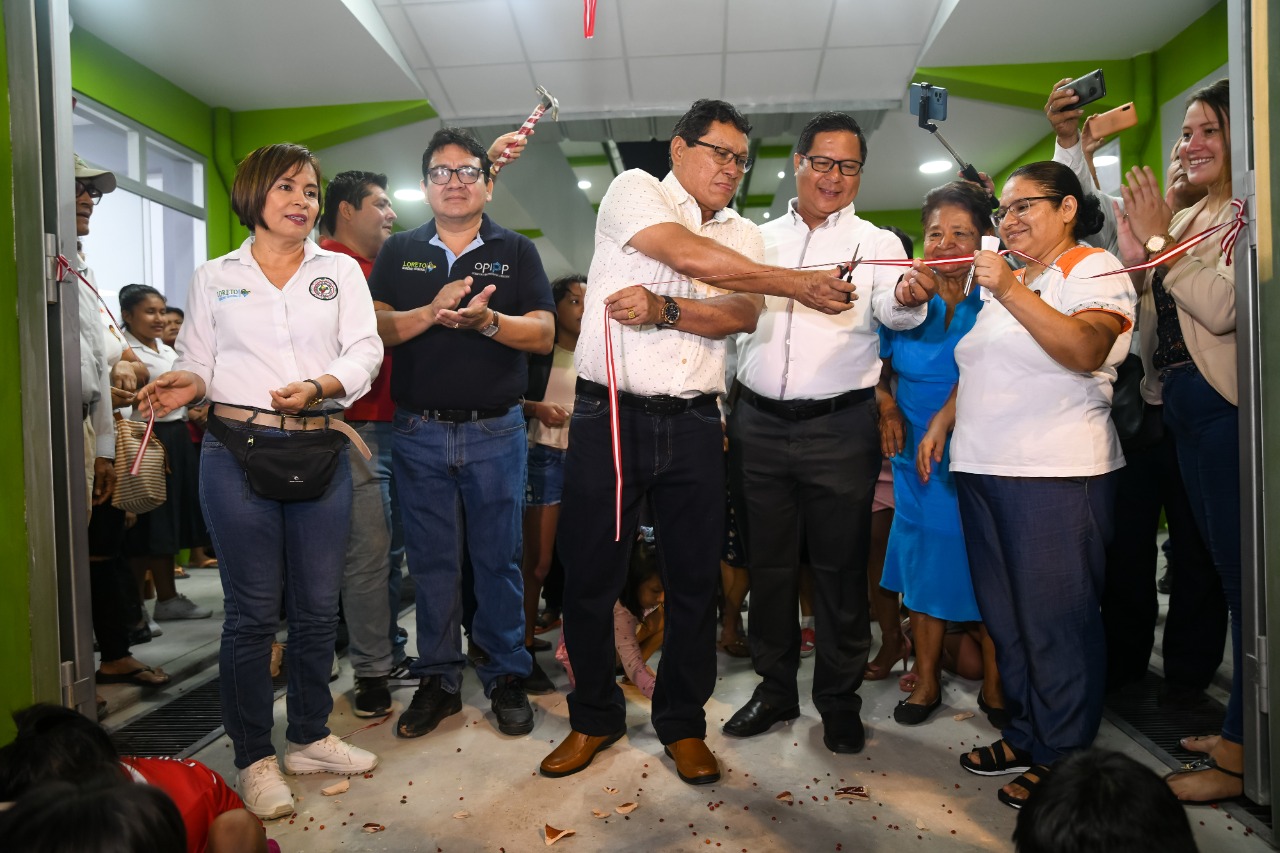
1234	226
588	18
65	266
615	428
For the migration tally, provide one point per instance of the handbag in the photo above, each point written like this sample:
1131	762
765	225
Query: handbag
296	466
147	490
1138	424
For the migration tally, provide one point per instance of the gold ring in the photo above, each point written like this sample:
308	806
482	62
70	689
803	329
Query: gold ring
631	315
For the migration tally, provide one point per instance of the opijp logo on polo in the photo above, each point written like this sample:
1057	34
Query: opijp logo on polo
493	269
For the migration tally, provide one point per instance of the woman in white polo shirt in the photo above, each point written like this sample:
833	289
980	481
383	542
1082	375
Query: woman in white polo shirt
276	327
1032	452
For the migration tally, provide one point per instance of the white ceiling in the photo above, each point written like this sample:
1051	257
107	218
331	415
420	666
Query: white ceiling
478	62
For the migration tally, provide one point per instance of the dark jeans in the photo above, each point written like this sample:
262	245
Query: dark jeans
1207	429
676	462
268	550
1197	620
811	480
1037	552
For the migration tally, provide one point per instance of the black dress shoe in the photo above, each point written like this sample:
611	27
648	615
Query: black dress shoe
431	703
537	682
756	717
913	715
372	696
842	732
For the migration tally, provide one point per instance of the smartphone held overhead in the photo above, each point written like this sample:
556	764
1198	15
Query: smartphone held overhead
1089	88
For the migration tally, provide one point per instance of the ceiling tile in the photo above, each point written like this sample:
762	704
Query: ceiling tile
406	38
671	27
472	33
597	85
675	81
436	92
770	25
865	74
770	76
489	91
858	23
553	31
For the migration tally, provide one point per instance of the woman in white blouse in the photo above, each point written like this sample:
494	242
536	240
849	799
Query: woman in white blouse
275	327
1033	454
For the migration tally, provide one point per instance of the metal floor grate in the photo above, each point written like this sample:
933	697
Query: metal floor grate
179	728
1136	711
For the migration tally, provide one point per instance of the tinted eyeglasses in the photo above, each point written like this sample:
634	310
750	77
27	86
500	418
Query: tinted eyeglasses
848	168
723	156
93	192
441	175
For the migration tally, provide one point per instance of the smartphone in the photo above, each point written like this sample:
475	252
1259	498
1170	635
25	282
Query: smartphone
1121	118
1089	88
937	101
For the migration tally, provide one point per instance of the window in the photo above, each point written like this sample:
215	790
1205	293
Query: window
151	230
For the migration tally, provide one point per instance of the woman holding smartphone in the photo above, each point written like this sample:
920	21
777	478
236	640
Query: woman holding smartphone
1190	305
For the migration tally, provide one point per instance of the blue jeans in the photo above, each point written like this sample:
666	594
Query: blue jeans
378	435
464	480
1207	430
675	463
268	550
1037	553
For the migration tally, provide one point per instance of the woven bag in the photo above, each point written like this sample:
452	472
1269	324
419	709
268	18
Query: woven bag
147	490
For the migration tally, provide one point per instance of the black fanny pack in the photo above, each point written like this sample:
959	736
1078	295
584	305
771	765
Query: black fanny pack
296	466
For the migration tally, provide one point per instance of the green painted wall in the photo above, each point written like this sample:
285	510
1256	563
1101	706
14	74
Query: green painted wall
16	681
111	78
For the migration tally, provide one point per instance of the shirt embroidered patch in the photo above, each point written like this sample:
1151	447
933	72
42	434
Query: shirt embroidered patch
324	288
234	293
419	266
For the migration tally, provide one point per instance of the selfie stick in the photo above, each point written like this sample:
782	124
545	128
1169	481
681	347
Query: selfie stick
966	169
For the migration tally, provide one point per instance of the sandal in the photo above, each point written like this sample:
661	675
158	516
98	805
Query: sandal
992	760
1205	764
1040	771
736	648
161	678
1197	743
179	573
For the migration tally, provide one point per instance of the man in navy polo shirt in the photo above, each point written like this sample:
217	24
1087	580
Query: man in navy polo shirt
462	300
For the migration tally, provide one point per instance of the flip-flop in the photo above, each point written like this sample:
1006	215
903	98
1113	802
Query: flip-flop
736	648
1193	739
179	573
133	677
1205	764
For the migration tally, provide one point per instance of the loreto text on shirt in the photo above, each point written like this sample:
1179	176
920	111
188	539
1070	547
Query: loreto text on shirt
234	293
418	266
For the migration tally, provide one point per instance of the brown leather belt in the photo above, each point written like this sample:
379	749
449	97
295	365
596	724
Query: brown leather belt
279	420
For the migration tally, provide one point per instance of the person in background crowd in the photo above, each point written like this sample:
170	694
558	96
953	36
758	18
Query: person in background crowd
173	317
275	327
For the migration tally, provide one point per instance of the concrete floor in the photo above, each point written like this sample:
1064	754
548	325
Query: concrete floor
466	787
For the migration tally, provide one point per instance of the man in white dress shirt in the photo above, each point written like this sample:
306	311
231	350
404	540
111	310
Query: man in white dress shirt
804	445
654	241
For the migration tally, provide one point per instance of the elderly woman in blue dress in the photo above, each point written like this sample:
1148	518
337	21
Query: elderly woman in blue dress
926	557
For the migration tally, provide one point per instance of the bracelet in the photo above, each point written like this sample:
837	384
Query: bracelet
319	392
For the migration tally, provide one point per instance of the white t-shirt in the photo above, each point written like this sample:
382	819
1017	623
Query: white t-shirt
1019	413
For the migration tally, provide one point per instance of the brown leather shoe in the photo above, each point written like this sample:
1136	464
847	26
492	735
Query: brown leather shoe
574	753
694	762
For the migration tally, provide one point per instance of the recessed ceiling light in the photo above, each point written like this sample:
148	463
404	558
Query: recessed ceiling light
1106	160
766	214
584	185
409	195
933	167
782	174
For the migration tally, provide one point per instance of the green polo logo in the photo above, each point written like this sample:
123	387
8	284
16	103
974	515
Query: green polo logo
418	266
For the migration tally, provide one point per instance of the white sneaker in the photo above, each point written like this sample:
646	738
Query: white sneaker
156	630
328	755
264	791
180	607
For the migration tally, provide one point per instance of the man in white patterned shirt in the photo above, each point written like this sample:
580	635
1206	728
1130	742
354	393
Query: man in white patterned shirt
654	240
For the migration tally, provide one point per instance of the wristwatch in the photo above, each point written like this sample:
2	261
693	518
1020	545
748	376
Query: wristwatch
670	313
1157	244
492	329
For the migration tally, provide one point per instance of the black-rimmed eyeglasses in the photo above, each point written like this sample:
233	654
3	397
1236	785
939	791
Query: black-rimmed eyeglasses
848	168
1021	207
82	188
723	156
441	175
